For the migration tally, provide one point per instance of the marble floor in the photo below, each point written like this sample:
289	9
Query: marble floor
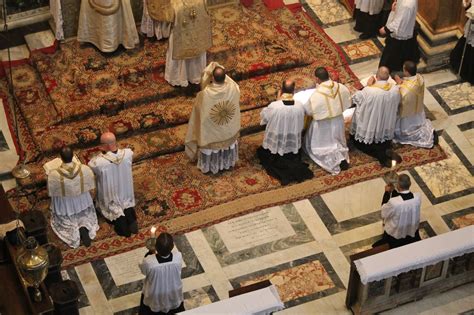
303	247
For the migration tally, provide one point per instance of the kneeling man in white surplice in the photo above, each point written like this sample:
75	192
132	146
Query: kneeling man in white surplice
325	141
115	194
412	127
214	125
190	37
157	18
107	24
73	216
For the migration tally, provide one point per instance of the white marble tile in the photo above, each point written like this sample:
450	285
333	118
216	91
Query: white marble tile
88	310
254	229
9	184
439	77
273	259
16	53
195	282
463	118
366	197
446	176
469	134
342	33
360	233
125	302
312	220
40	40
209	263
366	68
124	267
461	142
95	294
455	204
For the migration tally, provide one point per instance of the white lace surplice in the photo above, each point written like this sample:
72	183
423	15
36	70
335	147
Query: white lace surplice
376	114
284	127
370	6
181	72
217	160
162	288
77	212
415	130
325	143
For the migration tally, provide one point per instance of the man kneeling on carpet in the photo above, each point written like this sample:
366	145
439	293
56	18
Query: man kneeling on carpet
400	214
280	152
115	195
162	288
73	216
214	125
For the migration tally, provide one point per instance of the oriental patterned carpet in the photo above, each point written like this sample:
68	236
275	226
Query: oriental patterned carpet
72	96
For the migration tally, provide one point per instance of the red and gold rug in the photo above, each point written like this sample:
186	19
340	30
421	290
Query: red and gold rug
72	96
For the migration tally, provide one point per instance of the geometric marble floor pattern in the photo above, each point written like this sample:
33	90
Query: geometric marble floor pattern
303	247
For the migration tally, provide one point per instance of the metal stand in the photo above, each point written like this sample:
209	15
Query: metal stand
20	171
465	47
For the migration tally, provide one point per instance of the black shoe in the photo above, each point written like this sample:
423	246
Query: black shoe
435	138
344	165
121	226
85	239
131	218
365	36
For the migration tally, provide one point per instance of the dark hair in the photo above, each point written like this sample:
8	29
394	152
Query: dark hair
219	75
410	67
288	86
164	244
404	181
321	73
66	154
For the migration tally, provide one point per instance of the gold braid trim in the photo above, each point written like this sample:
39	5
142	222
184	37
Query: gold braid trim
105	10
115	160
385	87
221	144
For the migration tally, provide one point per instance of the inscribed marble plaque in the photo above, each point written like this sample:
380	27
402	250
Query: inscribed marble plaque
254	229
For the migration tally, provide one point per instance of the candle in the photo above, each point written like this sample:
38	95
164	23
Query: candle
394	163
152	231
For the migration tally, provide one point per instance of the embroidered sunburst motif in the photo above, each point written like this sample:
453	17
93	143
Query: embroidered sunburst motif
222	113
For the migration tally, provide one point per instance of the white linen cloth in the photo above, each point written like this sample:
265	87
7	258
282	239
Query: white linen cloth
402	217
56	12
414	130
181	72
260	302
215	160
114	178
285	125
416	255
401	22
376	112
370	6
162	287
107	32
151	28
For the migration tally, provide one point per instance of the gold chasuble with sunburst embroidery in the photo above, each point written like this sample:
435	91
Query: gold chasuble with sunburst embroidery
191	29
215	119
160	10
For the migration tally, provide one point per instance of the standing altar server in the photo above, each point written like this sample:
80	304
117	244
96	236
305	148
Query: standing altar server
73	216
107	24
190	37
401	44
115	195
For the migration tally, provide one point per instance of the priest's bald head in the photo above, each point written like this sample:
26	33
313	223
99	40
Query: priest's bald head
66	154
383	73
288	86
108	141
218	75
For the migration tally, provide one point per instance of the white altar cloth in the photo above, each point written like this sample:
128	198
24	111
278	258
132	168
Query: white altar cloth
259	302
416	255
